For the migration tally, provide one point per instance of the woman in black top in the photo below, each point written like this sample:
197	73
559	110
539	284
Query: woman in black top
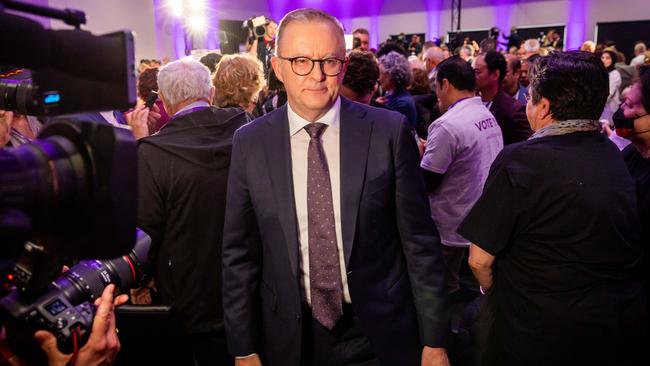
555	233
634	111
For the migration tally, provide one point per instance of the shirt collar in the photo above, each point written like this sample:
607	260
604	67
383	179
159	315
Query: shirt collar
198	103
465	100
331	118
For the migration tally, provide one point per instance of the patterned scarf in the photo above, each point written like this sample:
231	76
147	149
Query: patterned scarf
568	126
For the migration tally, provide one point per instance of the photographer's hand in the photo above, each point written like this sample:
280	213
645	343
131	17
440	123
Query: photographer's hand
102	346
137	119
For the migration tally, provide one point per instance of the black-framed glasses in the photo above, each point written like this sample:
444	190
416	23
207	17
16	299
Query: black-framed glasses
303	66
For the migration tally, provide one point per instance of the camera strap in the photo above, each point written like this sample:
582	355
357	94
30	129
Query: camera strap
76	334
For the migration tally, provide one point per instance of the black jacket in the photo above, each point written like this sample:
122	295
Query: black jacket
511	117
182	173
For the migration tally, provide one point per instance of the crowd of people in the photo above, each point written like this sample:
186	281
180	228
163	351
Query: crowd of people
409	205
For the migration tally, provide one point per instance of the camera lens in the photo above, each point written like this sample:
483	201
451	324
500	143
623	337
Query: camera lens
45	179
64	189
260	31
16	95
87	279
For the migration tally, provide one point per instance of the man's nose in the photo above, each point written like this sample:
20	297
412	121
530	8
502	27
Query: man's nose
317	72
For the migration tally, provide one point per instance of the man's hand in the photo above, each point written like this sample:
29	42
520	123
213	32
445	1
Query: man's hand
6	117
138	119
434	356
102	346
253	360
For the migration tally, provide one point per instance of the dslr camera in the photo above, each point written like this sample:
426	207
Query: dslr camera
65	309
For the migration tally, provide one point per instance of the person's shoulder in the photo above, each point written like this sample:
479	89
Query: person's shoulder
470	110
148	148
507	103
630	153
257	127
523	152
359	110
404	99
225	114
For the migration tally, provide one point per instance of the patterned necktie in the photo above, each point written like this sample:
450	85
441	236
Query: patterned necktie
324	270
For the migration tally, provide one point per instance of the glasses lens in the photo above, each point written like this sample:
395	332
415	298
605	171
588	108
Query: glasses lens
302	65
332	66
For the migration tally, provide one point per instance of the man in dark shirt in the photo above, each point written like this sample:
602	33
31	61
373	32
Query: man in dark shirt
182	175
555	232
490	69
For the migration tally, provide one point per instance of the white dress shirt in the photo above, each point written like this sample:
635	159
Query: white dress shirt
299	151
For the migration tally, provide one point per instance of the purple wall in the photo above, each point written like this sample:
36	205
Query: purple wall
502	14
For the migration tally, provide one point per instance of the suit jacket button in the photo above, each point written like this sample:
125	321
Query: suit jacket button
298	318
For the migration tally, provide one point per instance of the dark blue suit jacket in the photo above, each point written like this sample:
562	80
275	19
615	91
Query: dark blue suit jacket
392	248
402	101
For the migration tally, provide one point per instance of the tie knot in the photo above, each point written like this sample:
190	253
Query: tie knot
316	129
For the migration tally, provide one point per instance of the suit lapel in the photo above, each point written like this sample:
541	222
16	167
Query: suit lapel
278	161
354	145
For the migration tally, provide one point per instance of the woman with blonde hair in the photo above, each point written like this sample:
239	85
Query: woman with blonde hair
238	81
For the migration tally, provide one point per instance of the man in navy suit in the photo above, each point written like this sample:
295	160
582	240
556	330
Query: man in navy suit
330	256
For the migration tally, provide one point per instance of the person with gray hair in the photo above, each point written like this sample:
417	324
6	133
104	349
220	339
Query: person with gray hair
530	47
182	175
182	85
432	58
330	256
639	54
394	77
466	52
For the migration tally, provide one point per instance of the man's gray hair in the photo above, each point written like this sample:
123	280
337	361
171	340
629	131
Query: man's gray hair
640	48
305	15
531	45
398	68
468	49
434	53
184	79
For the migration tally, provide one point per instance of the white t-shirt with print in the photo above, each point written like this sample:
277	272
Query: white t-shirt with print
462	144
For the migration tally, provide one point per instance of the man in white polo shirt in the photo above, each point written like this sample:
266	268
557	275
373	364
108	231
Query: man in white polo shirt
461	146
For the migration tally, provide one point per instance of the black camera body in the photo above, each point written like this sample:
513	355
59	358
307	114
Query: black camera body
70	324
65	309
256	26
60	80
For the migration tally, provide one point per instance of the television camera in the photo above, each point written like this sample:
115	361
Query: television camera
70	194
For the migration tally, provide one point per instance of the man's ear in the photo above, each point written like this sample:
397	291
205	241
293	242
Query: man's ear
544	108
445	85
275	63
496	74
